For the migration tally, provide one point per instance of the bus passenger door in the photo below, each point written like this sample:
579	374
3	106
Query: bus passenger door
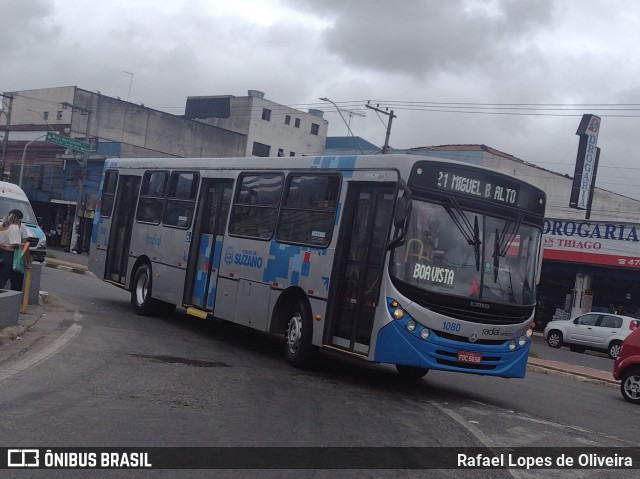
121	226
364	233
206	247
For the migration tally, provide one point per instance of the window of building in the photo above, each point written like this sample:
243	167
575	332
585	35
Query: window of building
297	124
255	208
181	201
287	119
260	149
315	128
152	191
108	193
45	115
266	114
308	210
293	153
280	152
59	115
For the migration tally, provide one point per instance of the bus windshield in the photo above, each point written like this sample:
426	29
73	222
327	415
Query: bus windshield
459	252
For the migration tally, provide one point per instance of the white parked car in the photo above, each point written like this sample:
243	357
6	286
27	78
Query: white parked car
599	331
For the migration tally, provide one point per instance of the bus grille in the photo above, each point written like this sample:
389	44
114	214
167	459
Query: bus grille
473	316
464	339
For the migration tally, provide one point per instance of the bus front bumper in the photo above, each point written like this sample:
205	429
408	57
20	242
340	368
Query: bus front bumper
396	345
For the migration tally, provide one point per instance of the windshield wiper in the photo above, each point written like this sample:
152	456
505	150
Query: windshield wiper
470	233
503	242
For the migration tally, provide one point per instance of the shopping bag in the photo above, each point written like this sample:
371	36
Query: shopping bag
18	260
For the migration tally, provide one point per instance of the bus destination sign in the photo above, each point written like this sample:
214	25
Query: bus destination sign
467	184
476	184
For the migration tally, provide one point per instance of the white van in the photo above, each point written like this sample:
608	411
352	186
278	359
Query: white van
13	197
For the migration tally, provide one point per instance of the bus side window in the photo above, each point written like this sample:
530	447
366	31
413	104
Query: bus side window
256	204
181	200
152	195
108	193
308	210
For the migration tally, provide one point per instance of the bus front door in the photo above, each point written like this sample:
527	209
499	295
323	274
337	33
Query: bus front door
206	249
364	233
121	226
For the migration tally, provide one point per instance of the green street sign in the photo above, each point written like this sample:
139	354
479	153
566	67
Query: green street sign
68	142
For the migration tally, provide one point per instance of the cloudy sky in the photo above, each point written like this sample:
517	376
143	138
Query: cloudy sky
515	75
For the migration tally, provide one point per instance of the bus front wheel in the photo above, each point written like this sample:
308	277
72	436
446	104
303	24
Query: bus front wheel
141	292
411	372
298	336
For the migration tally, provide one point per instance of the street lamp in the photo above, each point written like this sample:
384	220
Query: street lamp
43	118
24	152
345	122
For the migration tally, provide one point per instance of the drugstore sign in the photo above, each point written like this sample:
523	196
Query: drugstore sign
592	242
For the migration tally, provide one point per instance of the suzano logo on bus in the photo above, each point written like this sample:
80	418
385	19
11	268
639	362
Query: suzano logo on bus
244	258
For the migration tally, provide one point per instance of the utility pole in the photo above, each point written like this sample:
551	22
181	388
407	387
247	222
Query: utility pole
345	121
5	140
83	175
391	116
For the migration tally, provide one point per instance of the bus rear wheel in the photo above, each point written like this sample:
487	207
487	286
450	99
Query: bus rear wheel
411	372
143	303
299	349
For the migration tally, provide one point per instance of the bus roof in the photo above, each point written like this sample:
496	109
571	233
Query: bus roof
403	162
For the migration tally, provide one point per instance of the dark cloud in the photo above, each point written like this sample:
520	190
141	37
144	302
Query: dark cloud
26	28
422	38
410	51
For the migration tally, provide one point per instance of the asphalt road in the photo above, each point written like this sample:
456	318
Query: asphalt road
104	377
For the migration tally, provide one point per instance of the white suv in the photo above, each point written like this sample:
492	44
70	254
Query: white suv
600	331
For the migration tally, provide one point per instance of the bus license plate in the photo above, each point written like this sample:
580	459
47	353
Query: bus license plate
469	357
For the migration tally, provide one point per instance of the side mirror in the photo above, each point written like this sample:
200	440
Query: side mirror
400	214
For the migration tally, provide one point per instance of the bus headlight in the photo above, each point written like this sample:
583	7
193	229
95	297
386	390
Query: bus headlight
522	340
411	325
529	332
424	333
512	344
398	313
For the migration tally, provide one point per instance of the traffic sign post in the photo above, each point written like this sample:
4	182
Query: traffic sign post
68	142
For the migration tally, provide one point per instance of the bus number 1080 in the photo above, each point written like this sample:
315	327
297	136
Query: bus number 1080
449	326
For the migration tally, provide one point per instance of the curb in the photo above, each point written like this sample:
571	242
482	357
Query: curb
576	375
73	268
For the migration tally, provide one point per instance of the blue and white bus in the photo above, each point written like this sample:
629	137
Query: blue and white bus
419	262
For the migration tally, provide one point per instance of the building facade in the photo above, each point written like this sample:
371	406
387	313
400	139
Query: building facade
271	129
62	184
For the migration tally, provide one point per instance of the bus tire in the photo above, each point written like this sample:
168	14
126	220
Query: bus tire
411	372
298	335
141	298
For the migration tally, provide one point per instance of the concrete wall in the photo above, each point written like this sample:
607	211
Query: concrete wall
277	134
47	100
144	132
139	128
246	117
